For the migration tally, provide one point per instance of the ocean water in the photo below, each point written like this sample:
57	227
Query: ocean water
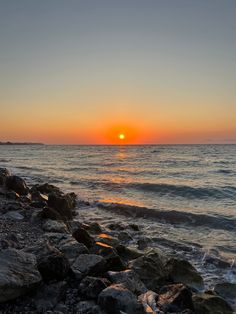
181	193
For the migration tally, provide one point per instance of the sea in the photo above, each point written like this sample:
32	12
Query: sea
184	196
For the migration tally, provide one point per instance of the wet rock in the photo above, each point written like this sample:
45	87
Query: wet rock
150	268
182	271
16	184
82	236
12	195
3	174
19	274
116	226
175	298
134	227
92	286
93	227
88	307
38	197
48	296
143	243
226	290
210	304
117	299
38	204
107	239
124	236
63	204
71	248
113	260
50	213
55	226
52	264
88	264
149	302
129	279
14	215
45	189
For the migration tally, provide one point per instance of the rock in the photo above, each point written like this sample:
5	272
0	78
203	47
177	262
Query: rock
45	189
124	236
36	196
127	253
88	264
117	299
63	204
52	264
49	295
54	226
143	243
16	184
50	213
134	227
3	174
93	227
129	279
150	268
38	204
92	286
210	304
182	271
14	215
149	302
107	239
12	195
113	260
226	290
18	275
175	298
116	226
71	248
82	236
88	307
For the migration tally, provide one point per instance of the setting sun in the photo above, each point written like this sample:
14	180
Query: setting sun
121	136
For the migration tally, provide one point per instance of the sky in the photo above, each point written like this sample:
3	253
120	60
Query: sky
84	72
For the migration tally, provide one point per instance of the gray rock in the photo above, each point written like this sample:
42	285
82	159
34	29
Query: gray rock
82	236
226	290
3	174
72	249
55	226
149	302
129	279
117	299
150	268
107	239
14	215
88	264
210	304
18	275
124	236
16	184
182	271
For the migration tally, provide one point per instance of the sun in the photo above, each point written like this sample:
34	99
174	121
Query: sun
121	136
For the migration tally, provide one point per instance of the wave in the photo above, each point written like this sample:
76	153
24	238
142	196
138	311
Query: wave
186	191
172	216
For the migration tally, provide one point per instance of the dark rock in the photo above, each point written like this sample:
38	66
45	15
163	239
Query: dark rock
175	298
127	254
3	174
50	213
16	184
149	302
117	299
38	204
124	236
12	195
63	204
19	274
129	279
210	304
93	227
116	226
82	236
182	271
150	268
88	264
71	248
88	307
114	262
55	226
52	264
134	227
107	239
48	296
92	286
36	196
226	290
143	243
45	189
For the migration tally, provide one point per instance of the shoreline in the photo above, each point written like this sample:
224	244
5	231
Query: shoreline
44	219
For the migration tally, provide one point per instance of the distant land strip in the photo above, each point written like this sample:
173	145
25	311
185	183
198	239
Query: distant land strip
18	143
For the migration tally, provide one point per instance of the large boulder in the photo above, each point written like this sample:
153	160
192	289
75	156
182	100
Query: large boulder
117	299
52	264
129	279
63	204
17	185
182	271
150	268
210	304
18	274
3	174
88	264
175	298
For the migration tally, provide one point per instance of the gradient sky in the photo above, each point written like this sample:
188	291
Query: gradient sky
82	71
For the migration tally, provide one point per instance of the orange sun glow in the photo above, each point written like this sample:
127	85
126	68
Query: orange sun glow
121	136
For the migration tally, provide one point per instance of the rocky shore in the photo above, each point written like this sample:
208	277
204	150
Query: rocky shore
53	261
